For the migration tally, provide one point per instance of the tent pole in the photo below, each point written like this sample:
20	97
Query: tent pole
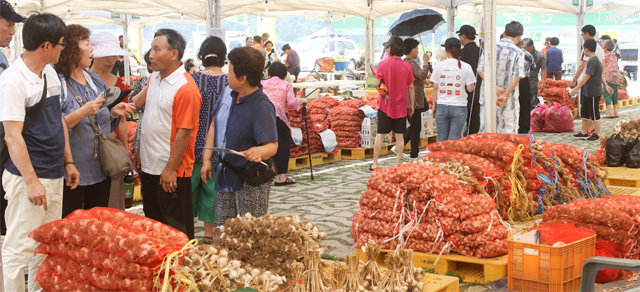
209	17
125	33
217	14
580	24
367	48
489	83
451	19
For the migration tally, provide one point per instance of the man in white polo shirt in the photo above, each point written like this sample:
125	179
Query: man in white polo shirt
37	141
169	128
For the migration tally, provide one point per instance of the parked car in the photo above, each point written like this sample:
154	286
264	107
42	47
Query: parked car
315	48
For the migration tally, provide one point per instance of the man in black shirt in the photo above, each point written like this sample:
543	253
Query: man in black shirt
471	55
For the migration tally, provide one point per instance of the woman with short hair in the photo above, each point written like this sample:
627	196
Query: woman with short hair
280	93
80	103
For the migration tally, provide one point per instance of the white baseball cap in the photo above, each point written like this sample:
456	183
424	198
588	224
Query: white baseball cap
106	44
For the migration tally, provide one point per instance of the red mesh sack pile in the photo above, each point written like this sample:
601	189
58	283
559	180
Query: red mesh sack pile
429	211
615	219
558	119
346	123
103	248
297	121
558	91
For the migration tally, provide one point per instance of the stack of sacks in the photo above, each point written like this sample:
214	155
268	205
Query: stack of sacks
558	91
103	249
346	122
428	210
615	218
296	120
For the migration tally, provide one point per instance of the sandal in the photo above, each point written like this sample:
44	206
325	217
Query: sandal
288	181
371	168
206	240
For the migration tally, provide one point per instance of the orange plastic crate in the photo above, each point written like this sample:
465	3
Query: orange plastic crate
535	267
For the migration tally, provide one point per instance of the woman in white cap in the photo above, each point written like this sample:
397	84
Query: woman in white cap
80	102
105	54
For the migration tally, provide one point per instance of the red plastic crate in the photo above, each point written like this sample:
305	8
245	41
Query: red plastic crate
535	267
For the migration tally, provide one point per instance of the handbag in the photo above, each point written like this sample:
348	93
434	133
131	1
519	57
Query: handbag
114	157
256	174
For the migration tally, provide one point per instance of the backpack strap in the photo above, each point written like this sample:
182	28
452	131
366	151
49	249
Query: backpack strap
35	110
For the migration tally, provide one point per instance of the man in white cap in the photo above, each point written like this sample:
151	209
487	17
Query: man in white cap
8	20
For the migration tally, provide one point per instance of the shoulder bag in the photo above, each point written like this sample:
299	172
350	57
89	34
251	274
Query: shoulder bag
114	156
256	174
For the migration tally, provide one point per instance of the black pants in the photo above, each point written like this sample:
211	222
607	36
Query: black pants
412	134
525	105
85	197
473	110
175	210
284	147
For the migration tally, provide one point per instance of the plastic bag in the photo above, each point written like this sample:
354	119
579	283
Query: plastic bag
565	233
558	119
616	148
633	155
606	248
538	118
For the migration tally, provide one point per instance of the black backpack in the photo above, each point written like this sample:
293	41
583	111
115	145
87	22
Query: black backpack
30	115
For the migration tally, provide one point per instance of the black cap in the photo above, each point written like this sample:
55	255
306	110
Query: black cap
7	12
466	30
452	43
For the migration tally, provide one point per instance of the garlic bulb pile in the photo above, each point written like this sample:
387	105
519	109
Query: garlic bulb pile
269	242
629	129
212	270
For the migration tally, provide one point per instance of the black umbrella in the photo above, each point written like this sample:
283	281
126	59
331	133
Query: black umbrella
416	22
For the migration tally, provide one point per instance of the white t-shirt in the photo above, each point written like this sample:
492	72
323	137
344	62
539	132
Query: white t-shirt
451	81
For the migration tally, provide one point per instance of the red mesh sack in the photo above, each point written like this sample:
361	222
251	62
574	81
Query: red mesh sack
487	148
133	246
105	261
538	118
375	200
134	222
377	227
365	237
566	233
50	281
558	119
104	280
354	103
324	102
480	167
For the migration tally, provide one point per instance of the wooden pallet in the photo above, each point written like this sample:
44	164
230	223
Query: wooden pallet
624	191
623	177
624	103
363	153
423	142
472	269
603	107
316	158
432	282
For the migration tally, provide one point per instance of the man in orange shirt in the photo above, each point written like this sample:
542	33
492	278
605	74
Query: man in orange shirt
172	103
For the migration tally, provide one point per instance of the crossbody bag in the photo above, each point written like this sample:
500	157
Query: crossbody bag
114	156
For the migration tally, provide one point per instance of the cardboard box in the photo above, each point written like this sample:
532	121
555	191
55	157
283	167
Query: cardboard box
369	131
429	128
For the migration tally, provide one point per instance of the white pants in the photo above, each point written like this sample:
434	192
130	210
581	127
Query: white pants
21	218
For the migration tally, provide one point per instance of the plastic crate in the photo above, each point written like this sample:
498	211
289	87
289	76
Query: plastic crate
535	267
